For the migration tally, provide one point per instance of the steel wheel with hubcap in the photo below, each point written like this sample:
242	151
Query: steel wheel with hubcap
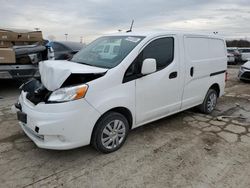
209	102
113	134
110	132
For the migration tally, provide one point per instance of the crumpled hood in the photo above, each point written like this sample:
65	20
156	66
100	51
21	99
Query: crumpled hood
55	72
247	64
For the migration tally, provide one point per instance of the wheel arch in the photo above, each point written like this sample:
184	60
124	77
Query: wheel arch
122	110
216	87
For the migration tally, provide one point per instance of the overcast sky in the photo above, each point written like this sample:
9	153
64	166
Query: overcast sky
92	18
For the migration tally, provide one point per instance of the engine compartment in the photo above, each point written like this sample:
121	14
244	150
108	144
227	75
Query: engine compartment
37	92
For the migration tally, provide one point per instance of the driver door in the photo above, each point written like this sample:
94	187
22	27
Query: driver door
159	94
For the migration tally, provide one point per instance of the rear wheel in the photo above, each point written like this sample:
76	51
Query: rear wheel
209	102
110	132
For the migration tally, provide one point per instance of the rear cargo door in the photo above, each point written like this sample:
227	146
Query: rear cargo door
203	57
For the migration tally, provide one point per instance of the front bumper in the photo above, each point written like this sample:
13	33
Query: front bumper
244	74
58	126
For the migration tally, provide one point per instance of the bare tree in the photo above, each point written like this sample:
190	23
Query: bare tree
238	43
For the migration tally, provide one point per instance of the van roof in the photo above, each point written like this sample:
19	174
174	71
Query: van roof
159	33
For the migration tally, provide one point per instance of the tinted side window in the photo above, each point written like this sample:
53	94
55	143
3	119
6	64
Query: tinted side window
160	49
133	71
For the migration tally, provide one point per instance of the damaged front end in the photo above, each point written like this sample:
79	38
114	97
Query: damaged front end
61	81
38	93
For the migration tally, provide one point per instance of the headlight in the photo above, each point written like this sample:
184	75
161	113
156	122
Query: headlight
68	93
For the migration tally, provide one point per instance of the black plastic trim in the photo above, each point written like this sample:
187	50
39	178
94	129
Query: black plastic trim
37	129
22	117
192	71
18	106
173	75
217	73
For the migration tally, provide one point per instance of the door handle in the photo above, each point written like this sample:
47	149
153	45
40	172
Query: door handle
192	71
173	75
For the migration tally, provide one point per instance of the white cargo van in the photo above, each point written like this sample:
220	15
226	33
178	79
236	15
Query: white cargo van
97	100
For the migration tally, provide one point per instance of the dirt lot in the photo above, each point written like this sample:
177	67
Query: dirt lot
185	150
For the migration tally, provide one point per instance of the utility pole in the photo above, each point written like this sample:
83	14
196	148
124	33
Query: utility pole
66	36
81	39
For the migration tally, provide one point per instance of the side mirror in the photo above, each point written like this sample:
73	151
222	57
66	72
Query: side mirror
148	66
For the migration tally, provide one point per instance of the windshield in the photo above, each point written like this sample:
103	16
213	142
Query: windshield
107	52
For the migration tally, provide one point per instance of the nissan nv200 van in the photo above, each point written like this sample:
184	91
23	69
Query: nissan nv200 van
97	99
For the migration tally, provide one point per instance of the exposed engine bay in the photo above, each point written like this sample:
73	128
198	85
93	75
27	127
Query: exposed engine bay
37	92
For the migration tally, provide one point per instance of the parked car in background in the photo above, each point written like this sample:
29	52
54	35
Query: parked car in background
64	49
245	54
236	53
20	53
231	58
244	73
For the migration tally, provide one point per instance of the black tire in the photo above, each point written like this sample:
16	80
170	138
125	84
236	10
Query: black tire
103	122
245	81
205	107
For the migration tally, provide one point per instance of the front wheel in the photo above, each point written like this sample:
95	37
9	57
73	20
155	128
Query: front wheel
209	102
110	132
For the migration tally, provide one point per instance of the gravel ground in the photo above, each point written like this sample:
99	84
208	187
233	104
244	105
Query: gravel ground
188	149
